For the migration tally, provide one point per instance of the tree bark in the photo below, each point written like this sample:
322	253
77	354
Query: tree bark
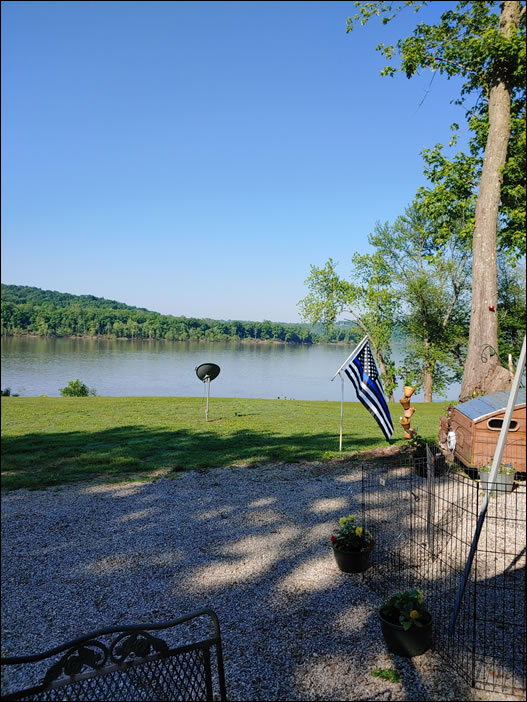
482	377
428	382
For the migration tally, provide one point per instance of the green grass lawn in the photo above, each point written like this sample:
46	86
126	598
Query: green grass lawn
53	441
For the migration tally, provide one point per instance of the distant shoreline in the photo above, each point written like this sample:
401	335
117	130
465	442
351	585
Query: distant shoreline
104	337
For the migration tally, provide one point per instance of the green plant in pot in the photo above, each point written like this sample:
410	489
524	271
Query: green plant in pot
352	545
410	380
504	481
406	623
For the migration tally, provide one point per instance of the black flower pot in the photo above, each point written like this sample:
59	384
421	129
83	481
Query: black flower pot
352	561
410	642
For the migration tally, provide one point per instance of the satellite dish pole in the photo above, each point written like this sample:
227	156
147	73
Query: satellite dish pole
207	372
208	397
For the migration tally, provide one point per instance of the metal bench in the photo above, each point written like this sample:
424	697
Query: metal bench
129	663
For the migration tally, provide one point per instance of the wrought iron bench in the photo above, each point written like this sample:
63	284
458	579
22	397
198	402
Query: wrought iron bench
133	665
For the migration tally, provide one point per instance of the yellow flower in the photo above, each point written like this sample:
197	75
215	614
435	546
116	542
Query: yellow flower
351	517
414	614
342	521
358	531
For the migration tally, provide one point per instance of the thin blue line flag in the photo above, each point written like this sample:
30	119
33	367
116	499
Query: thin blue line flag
363	373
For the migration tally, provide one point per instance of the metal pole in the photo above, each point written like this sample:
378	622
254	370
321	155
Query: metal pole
430	504
500	446
352	355
208	395
341	409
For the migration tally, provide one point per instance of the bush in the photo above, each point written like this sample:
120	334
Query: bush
75	388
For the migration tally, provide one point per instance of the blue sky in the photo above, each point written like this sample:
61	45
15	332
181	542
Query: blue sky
195	158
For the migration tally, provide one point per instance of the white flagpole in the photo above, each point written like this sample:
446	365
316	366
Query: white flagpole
352	355
341	409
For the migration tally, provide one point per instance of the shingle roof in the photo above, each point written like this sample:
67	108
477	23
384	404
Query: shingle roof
488	404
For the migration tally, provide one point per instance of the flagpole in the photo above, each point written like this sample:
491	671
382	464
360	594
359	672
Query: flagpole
341	409
352	355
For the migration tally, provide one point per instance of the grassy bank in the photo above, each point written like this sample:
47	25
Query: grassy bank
53	441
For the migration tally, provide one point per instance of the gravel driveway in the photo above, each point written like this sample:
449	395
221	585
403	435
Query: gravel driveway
251	543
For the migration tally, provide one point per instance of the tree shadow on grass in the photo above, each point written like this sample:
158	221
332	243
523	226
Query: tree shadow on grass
38	460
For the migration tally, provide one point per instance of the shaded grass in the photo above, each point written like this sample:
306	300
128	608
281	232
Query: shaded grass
54	441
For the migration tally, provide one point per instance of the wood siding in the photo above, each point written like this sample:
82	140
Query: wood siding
476	443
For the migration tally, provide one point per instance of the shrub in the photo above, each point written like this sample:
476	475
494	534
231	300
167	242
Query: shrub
75	388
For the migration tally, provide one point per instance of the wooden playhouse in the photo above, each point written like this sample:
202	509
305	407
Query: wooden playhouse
477	424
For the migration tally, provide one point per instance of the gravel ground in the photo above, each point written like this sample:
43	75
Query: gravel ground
251	543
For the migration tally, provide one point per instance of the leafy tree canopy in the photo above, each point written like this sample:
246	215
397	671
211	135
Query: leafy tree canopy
466	42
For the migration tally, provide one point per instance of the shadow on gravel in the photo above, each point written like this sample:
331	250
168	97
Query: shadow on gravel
251	544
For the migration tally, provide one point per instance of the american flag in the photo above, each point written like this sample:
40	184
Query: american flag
363	373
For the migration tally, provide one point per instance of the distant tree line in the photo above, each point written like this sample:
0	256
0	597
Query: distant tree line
29	310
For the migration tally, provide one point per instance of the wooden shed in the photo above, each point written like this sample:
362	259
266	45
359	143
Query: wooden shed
477	424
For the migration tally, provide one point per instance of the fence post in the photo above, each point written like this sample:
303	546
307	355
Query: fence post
430	500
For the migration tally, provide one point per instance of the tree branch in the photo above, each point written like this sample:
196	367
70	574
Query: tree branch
465	68
362	326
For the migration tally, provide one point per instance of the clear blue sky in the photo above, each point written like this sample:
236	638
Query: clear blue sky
195	158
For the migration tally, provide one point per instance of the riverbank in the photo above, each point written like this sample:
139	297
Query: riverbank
235	340
49	441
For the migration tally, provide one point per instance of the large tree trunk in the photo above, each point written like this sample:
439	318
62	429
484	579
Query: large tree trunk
428	382
482	377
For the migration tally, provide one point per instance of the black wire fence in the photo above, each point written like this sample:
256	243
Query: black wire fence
423	514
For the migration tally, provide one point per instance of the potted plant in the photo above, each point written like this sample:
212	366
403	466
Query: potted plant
409	378
406	624
404	422
504	481
352	545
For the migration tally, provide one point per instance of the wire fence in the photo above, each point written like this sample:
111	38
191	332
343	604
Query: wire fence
423	515
477	447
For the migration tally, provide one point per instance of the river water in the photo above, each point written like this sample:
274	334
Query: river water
40	366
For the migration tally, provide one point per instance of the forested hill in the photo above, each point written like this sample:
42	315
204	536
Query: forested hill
29	310
23	295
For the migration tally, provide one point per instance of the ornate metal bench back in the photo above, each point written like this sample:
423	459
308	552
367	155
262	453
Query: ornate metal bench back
136	665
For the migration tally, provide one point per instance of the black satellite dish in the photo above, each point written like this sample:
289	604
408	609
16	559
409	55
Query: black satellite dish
207	372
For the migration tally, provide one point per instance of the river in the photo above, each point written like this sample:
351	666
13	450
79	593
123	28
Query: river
40	366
